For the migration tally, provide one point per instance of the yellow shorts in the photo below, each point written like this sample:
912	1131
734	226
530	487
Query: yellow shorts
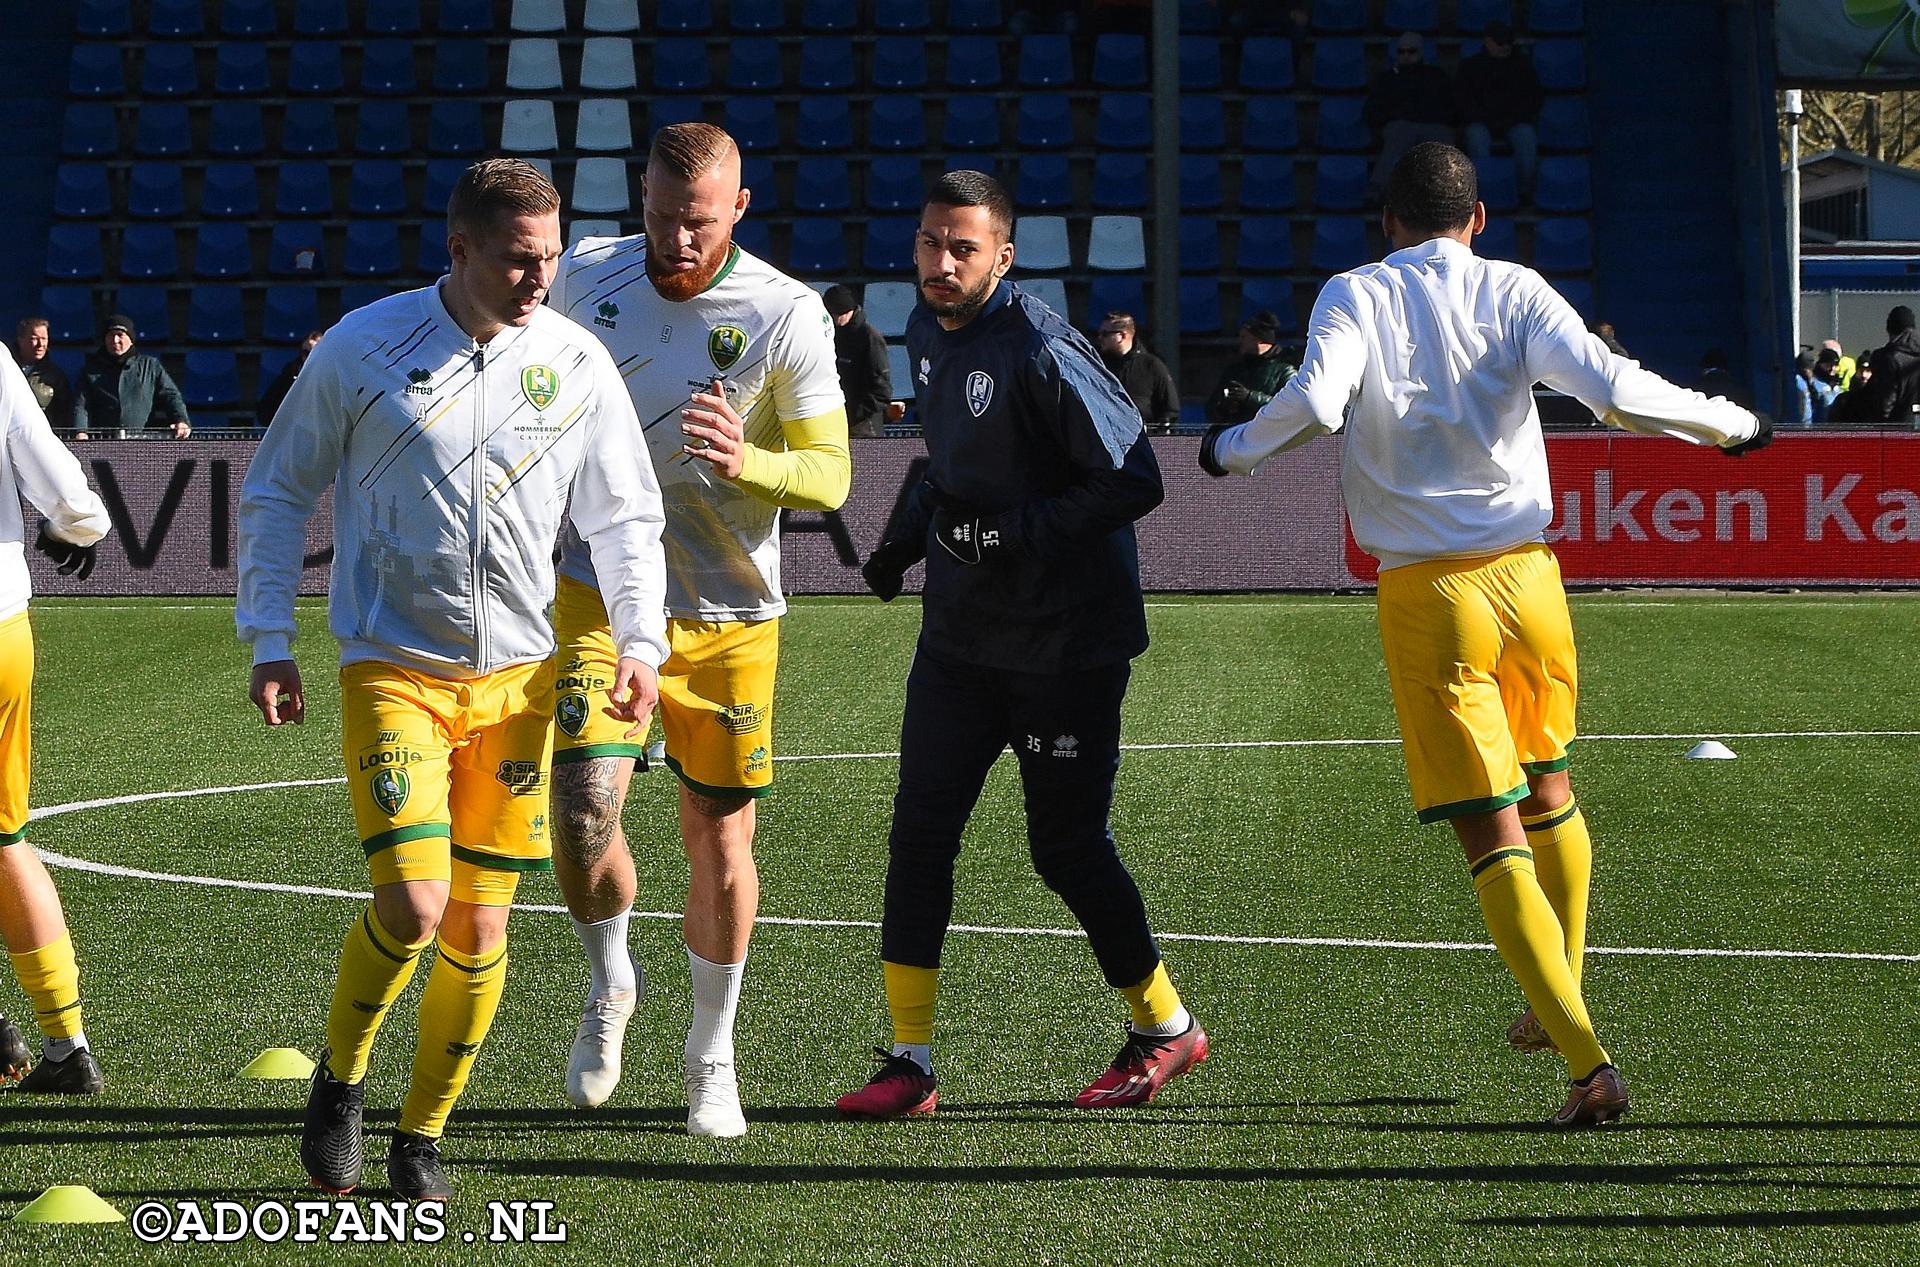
1480	655
16	713
449	775
716	695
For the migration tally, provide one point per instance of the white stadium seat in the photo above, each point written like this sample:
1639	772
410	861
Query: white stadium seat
600	185
527	127
887	305
1050	291
605	125
1118	244
1040	242
898	367
538	16
606	65
592	229
533	65
615	17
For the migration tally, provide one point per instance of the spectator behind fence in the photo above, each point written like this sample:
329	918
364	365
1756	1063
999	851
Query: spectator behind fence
860	354
1251	380
1411	103
1845	367
1825	386
1892	394
1148	382
51	389
283	381
121	389
1604	331
1498	94
1803	411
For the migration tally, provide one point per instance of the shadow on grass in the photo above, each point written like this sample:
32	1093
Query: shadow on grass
1631	1125
1732	1219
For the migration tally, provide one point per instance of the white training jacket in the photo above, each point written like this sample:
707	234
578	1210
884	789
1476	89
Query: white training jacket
1428	359
443	562
33	462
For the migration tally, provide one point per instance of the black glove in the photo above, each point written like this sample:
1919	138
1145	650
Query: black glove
886	568
1761	439
968	535
1208	462
1234	394
68	558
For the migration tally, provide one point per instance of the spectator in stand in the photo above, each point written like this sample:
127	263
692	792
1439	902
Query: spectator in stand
1845	366
1604	331
1717	380
1498	95
1892	394
860	354
1411	103
1251	380
283	382
121	389
1148	382
1825	386
51	389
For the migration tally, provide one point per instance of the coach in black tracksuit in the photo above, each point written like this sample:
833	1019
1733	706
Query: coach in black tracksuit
1038	468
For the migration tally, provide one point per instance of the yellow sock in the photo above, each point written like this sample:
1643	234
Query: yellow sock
1154	1001
374	967
1563	861
456	1010
1530	941
51	978
910	994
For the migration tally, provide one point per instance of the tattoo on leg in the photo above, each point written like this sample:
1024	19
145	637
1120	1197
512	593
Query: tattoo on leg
586	809
716	807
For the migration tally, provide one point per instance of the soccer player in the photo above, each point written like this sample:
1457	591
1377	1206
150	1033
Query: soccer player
731	367
1428	360
453	423
1038	467
31	922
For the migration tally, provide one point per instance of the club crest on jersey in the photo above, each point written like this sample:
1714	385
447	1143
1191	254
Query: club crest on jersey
540	385
725	344
390	788
979	392
570	714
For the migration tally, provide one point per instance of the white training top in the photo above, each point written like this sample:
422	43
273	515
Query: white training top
770	340
451	464
1428	359
33	462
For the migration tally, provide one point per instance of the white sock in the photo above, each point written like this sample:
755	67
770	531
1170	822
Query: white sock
1172	1027
609	965
61	1048
716	997
919	1053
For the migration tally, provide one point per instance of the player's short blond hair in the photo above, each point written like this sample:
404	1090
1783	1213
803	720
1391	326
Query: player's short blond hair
690	150
497	187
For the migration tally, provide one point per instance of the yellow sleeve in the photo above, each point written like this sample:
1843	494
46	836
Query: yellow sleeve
812	473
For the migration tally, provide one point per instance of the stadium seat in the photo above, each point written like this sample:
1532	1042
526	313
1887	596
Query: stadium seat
527	127
103	18
442	175
818	246
821	183
1042	182
691	16
89	130
1412	15
219	250
295	249
460	66
540	17
69	313
1500	241
1339	124
665	111
454	127
753	63
234	128
303	189
314	67
1040	243
240	69
1344	17
230	191
1050	291
212	379
1564	124
378	188
1499	183
1046	61
887	245
680	64
309	127
1200	182
828	15
825	123
756	173
1578	292
96	71
1266	182
1045	121
1272	124
756	15
148	251
155	191
973	61
611	17
1266	64
1124	121
393	17
215	314
1339	243
373	249
826	64
753	237
1117	244
1474	15
533	65
1269	294
1563	245
899	61
902	15
888	306
1563	184
1203	123
1556	17
1200	305
894	184
273	360
974	15
1339	182
382	128
1266	245
973	123
1199	63
896	123
1561	64
431	257
147	306
1120	182
386	68
81	192
753	122
320	17
1120	61
600	185
1339	65
465	17
586	228
73	252
360	294
900	371
162	129
175	19
167	70
1199	244
1115	292
605	125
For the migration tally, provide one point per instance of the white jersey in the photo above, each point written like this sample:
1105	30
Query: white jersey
1428	359
452	464
770	340
34	463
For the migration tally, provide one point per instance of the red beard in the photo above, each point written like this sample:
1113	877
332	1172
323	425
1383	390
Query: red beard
680	286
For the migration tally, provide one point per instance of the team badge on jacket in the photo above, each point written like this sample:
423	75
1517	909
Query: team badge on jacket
979	392
540	385
725	344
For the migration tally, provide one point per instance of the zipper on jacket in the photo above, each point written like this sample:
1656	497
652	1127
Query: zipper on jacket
478	528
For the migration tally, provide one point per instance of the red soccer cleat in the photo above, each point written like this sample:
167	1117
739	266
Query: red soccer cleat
1143	1066
898	1088
1597	1101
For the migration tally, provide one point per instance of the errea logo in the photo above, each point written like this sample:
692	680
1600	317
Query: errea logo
419	382
1066	746
605	315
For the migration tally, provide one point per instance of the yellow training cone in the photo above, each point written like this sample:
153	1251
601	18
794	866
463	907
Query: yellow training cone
69	1203
278	1062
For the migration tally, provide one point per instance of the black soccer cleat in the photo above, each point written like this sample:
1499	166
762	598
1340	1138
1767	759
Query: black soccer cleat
413	1169
78	1074
330	1146
15	1056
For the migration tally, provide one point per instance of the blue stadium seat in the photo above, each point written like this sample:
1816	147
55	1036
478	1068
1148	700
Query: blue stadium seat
1562	65
973	123
888	244
1269	294
162	129
1578	292
1474	15
293	243
1339	243
383	128
828	15
973	61
73	252
1340	182
460	66
147	305
320	17
454	127
89	130
756	15
899	61
1200	305
80	191
680	64
1046	121
236	129
273	360
373	249
1124	121
1199	244
1412	15
821	183
386	68
1046	61
432	258
896	123
175	19
691	16
1271	124
69	313
212	380
1499	241
753	237
825	123
1563	184
1266	182
1344	17
240	69
360	294
1339	65
215	314
1120	182
309	127
465	17
1200	16
167	70
230	191
974	15
1556	17
107	18
1563	245
155	191
1200	182
818	246
1564	124
393	17
753	122
303	189
1120	61
754	63
666	111
1266	64
1043	181
96	71
1266	245
756	173
1203	122
313	66
826	64
442	175
1199	63
894	184
149	251
221	250
902	15
378	188
1499	183
1115	292
1339	124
